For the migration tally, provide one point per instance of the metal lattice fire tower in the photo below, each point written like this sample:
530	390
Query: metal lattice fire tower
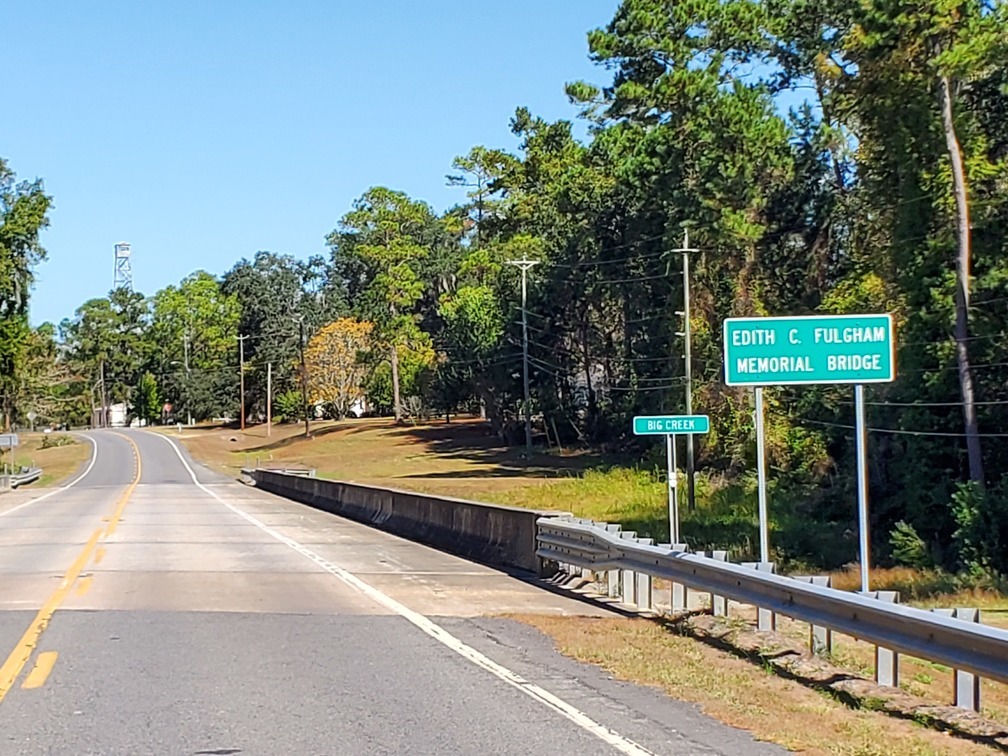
123	267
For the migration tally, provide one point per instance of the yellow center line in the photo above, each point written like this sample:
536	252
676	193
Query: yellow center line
40	672
84	584
22	652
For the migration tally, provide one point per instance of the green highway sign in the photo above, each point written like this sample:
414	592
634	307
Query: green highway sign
810	349
647	425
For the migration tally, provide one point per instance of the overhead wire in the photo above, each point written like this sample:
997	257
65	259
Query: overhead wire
895	431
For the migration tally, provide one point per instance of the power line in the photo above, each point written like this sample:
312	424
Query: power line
635	242
988	301
596	359
547	368
896	431
955	367
953	338
928	404
598	263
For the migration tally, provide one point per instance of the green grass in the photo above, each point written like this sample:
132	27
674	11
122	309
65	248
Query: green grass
627	496
637	499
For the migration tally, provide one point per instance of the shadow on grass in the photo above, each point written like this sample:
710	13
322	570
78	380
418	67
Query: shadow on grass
474	441
316	433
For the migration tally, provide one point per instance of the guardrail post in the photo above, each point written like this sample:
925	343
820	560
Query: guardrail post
679	603
613	576
680	592
628	580
820	637
766	620
645	597
886	660
719	604
965	685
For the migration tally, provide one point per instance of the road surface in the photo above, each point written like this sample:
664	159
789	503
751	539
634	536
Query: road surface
153	607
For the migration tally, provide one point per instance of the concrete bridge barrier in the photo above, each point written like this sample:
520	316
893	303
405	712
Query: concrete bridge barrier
492	534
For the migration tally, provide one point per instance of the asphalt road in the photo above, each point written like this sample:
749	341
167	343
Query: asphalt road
152	607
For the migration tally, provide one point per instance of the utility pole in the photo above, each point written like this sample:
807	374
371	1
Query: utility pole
241	358
304	376
685	249
188	387
525	265
269	398
104	401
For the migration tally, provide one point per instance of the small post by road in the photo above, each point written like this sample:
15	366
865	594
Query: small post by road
525	265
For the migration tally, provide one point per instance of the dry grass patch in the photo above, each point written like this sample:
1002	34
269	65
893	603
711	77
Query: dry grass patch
458	459
927	680
738	692
927	590
58	463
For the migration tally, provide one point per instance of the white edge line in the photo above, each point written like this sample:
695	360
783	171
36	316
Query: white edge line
575	715
74	482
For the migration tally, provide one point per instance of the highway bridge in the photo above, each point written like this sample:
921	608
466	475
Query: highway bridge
154	607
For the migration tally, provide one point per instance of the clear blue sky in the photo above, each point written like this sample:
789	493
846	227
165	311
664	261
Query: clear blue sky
201	132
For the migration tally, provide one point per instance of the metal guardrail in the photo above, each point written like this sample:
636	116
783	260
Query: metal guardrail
961	645
27	475
291	471
301	471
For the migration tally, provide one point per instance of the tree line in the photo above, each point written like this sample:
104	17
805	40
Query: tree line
825	157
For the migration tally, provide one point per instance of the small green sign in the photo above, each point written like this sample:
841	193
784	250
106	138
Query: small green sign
811	349
648	425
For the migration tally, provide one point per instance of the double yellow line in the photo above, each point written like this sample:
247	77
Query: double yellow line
19	657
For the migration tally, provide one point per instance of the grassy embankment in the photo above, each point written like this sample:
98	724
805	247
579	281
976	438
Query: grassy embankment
461	459
62	459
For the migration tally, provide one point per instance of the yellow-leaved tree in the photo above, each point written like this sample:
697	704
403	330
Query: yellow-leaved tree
336	371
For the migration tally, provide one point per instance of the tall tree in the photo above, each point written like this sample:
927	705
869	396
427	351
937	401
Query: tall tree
24	212
147	399
480	172
195	326
336	367
107	344
938	49
388	235
275	292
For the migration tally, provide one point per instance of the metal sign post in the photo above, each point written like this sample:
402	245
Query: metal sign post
862	482
764	526
673	488
670	426
814	349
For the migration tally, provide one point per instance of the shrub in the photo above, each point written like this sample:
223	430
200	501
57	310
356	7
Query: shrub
908	548
981	535
53	440
289	406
